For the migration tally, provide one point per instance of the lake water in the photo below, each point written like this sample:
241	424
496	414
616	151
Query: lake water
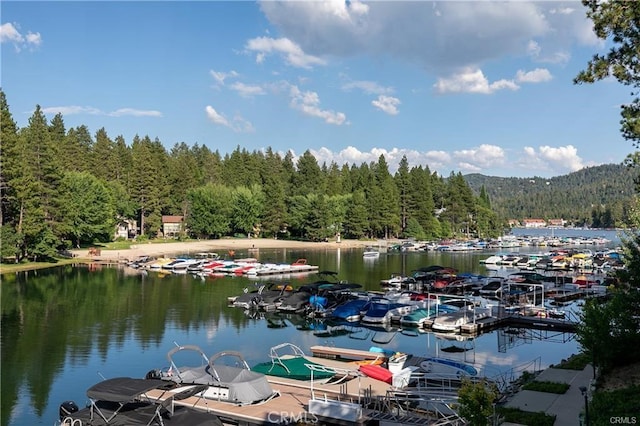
64	328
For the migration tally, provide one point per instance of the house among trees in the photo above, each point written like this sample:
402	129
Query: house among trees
172	226
534	223
514	223
126	228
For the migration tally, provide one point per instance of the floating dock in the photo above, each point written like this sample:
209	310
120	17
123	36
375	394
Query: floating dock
288	270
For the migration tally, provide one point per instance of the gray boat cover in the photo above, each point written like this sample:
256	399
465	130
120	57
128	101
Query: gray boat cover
244	386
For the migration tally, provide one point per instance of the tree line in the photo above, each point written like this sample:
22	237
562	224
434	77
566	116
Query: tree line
598	197
66	187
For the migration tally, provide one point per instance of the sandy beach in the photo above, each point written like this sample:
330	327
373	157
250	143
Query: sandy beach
222	247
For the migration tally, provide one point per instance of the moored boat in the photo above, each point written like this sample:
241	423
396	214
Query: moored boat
123	401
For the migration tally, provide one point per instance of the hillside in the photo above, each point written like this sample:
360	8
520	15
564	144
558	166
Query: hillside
594	196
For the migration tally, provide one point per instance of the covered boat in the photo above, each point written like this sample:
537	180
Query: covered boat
288	360
227	383
122	401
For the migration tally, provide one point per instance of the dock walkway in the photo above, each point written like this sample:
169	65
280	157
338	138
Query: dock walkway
566	407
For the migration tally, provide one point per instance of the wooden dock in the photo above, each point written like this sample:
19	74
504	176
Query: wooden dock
343	354
290	406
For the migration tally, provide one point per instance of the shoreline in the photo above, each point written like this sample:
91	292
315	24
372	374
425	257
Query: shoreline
222	247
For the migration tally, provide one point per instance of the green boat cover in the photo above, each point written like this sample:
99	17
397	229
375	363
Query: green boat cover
295	369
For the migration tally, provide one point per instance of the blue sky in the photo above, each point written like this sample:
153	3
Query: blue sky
479	86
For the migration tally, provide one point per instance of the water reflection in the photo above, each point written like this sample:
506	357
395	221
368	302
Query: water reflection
62	328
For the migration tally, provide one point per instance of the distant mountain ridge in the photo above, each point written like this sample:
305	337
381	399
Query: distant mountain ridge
580	197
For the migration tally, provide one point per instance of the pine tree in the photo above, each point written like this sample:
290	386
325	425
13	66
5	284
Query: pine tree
8	145
402	183
274	184
35	178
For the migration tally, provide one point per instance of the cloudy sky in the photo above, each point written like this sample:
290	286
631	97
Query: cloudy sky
478	86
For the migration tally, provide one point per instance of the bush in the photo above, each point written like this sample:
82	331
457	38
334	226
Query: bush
575	362
623	403
513	415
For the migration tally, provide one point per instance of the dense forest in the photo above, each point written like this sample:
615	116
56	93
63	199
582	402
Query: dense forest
599	197
63	188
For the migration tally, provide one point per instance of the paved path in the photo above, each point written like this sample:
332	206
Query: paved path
566	407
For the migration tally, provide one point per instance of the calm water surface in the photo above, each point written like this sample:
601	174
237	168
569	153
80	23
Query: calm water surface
64	328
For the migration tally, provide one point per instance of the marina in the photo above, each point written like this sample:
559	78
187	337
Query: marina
194	310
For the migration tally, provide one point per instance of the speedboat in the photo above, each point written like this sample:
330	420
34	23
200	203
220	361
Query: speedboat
265	294
350	311
122	401
444	367
383	311
236	384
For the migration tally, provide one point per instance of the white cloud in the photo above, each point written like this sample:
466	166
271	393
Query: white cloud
34	39
387	104
220	77
486	158
246	90
72	110
292	52
213	115
135	112
309	104
537	75
558	160
483	157
237	124
88	110
368	87
472	81
9	33
441	36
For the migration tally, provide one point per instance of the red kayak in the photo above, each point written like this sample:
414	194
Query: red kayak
377	372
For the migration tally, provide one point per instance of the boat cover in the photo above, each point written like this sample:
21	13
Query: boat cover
123	389
292	368
118	402
244	386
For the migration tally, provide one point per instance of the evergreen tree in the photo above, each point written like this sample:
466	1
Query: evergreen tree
316	223
345	178
619	23
146	184
77	151
420	204
484	200
35	178
334	184
122	162
183	175
299	213
8	147
356	221
404	191
274	184
102	156
308	177
58	137
384	201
